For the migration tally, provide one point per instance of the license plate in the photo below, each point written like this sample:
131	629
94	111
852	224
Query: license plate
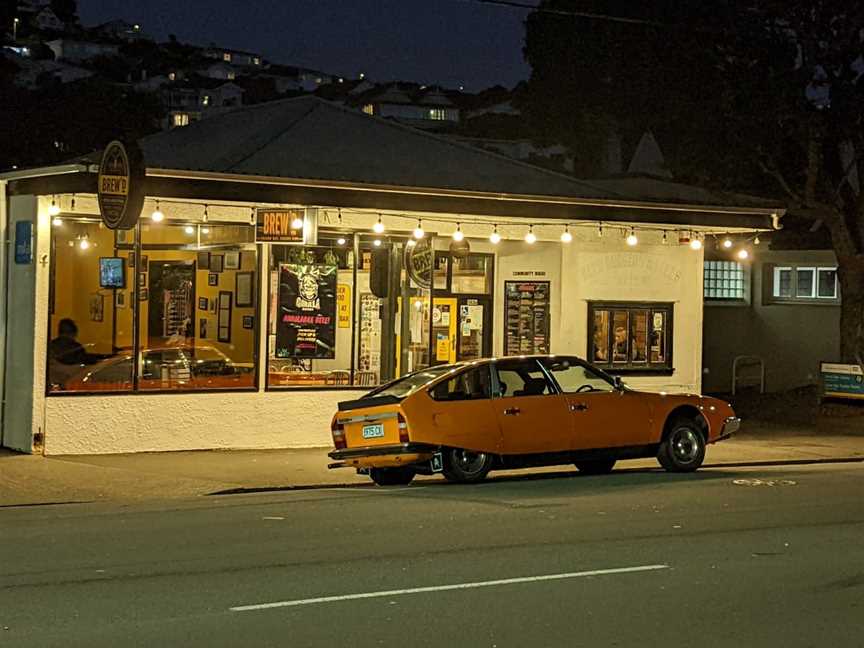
373	431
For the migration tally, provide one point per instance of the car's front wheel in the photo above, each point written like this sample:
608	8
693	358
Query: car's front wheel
392	476
466	466
683	449
595	466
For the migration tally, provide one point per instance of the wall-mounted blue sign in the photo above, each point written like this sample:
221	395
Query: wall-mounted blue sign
842	380
23	242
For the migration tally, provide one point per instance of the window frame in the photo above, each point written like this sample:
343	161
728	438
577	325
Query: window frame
770	275
746	284
496	383
578	362
443	380
631	368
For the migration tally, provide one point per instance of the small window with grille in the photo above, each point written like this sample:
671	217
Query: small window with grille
725	281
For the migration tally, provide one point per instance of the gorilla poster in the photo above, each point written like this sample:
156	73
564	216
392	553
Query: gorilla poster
306	327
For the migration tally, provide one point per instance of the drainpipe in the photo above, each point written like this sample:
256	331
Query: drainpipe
4	294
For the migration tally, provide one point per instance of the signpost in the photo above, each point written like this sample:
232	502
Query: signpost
120	188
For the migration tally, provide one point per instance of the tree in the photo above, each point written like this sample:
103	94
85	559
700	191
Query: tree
65	10
762	96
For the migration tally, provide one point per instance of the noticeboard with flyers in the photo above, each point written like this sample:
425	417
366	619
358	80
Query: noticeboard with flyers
526	312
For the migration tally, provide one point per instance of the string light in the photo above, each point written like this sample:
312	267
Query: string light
756	241
72	206
84	243
727	242
695	242
206	216
458	235
252	216
743	255
53	210
665	239
600	230
340	240
57	222
378	227
157	216
530	237
205	230
566	236
418	231
632	239
495	237
189	229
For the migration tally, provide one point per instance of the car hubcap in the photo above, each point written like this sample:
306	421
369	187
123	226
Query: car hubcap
685	445
469	462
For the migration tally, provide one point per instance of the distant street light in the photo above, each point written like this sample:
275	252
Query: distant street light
15	22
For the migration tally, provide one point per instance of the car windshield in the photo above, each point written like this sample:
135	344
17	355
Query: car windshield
406	385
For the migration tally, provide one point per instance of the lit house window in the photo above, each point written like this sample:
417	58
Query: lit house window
804	283
369	109
438	114
231	75
172	76
256	60
226	56
725	280
205	100
180	119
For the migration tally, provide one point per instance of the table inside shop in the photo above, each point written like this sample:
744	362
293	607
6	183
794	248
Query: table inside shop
308	378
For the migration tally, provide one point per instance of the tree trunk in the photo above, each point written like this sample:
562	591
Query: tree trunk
851	274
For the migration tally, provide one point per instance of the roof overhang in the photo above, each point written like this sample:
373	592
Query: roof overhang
206	185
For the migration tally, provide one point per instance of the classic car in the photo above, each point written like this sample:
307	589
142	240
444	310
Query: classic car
466	419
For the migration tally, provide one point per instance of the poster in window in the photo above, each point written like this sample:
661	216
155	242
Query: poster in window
243	287
658	337
232	260
97	307
343	297
306	327
639	337
601	337
620	321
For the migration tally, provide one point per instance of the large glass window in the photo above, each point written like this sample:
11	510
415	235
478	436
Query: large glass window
178	307
801	283
630	337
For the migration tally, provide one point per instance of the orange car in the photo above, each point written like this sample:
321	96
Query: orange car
466	419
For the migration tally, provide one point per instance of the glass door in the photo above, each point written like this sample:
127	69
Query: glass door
474	334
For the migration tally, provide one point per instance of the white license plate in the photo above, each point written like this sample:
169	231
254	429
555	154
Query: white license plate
373	431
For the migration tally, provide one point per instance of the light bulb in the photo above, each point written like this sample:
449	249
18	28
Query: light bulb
297	223
84	244
157	216
743	255
378	227
727	243
189	229
377	242
495	237
665	239
53	210
695	243
566	236
418	231
410	242
756	241
57	222
206	216
458	235
205	230
600	230
340	241
530	237
632	239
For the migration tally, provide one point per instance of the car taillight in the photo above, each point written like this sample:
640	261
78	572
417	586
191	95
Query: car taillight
338	431
403	428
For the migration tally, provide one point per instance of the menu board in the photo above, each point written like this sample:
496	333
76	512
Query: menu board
306	327
526	309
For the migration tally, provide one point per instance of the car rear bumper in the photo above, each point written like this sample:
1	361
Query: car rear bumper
382	456
730	426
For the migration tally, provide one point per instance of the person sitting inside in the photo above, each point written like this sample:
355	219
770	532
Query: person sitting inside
65	349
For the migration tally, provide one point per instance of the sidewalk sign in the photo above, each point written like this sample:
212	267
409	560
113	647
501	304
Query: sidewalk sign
841	380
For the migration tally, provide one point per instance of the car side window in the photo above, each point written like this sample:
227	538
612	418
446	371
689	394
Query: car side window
574	377
522	378
473	384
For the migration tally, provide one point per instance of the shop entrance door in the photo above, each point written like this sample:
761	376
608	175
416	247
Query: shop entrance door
444	319
474	334
171	303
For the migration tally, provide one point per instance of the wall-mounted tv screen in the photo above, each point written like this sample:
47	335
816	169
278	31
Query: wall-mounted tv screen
112	272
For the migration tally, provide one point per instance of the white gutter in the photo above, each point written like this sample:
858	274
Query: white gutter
182	174
40	172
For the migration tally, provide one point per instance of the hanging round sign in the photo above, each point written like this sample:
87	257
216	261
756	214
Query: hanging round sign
120	188
418	263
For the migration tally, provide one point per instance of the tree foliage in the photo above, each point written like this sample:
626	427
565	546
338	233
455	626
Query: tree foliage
764	96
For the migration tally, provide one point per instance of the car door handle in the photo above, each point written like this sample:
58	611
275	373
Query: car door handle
578	407
512	411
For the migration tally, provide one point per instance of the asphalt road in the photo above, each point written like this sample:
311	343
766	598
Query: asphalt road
726	557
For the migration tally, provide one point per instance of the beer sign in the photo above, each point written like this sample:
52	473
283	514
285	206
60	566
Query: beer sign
120	188
279	225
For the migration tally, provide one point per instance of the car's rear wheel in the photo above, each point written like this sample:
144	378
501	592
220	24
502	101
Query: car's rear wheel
683	448
596	466
465	466
392	476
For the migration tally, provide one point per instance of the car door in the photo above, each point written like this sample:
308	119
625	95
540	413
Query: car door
462	414
603	416
532	415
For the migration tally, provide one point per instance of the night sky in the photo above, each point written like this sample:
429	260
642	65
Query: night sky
450	42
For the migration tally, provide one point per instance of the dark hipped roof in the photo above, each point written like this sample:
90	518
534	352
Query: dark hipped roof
309	138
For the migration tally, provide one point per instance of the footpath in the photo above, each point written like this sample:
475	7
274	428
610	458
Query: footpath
31	480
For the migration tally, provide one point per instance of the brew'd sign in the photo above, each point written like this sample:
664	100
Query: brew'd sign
279	226
120	188
418	263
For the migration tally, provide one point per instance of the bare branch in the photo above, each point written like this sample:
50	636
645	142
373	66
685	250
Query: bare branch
775	173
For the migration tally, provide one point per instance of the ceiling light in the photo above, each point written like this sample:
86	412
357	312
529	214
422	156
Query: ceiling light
57	222
84	243
458	235
377	242
418	231
205	230
378	227
495	237
340	240
566	236
530	237
189	229
632	239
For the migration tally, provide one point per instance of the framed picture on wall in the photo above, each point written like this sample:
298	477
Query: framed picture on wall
144	263
217	262
120	299
214	305
142	280
212	279
143	294
243	283
202	328
224	316
203	260
202	303
248	321
97	307
232	260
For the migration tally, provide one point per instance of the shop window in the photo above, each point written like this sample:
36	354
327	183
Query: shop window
174	284
472	274
521	378
801	284
473	384
630	337
573	377
725	281
180	119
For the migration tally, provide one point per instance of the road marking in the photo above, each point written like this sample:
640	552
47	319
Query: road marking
272	517
765	482
445	588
